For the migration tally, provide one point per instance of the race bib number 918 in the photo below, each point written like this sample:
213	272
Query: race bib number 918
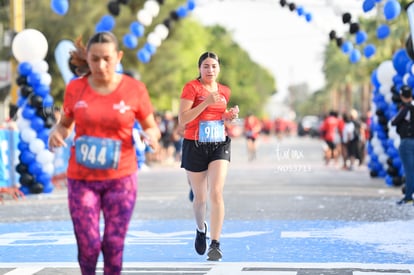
97	153
211	131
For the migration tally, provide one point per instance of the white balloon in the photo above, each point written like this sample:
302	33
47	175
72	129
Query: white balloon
48	168
386	72
28	134
162	31
45	79
388	98
383	158
36	145
397	142
40	66
22	123
385	89
44	157
405	78
29	45
154	39
144	17
411	69
378	150
152	7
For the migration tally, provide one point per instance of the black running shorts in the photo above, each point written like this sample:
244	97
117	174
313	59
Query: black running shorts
196	156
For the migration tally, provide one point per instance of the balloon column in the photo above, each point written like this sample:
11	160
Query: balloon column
35	115
388	79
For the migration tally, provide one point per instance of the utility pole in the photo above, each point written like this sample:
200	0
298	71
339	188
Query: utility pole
17	22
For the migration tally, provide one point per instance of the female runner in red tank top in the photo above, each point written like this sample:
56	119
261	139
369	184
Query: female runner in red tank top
206	148
102	169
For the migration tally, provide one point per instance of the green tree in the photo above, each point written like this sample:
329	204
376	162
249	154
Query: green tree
175	60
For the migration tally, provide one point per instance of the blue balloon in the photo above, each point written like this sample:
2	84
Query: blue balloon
48	188
21	101
374	79
392	9
181	11
397	162
191	4
369	50
28	112
107	22
27	157
25	189
43	135
137	29
34	79
100	27
392	152
143	55
35	168
62	56
383	31
37	123
300	10
60	7
409	67
347	47
23	146
400	60
368	5
43	178
308	17
42	90
355	56
25	68
48	101
150	48
388	180
130	41
397	80
360	37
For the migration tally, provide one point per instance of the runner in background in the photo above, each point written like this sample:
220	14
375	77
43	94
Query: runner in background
252	128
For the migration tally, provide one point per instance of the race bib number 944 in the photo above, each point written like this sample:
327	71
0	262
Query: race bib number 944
211	131
97	153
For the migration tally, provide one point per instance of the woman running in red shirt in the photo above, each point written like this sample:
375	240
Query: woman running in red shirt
206	148
102	169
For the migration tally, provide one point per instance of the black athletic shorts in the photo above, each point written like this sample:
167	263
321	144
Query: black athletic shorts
196	156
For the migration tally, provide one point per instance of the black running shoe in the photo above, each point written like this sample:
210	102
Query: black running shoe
214	253
404	201
200	241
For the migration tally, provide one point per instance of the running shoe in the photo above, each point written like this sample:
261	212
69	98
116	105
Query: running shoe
404	201
200	241
214	253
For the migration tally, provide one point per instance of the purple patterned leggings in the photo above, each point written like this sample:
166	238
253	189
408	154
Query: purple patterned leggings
116	198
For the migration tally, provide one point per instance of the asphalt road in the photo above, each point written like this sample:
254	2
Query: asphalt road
288	187
288	180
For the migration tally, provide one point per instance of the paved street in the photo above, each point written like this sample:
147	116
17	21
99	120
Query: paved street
286	213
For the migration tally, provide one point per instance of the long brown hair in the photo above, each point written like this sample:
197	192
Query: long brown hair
78	56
